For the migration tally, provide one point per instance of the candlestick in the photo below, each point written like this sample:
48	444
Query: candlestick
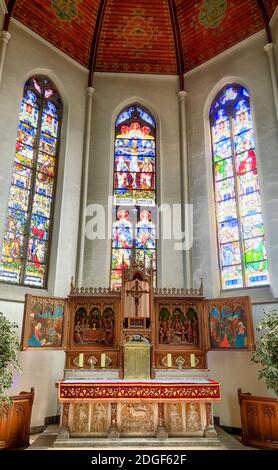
192	360
102	360
169	360
81	360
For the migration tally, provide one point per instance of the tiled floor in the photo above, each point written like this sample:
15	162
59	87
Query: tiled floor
46	439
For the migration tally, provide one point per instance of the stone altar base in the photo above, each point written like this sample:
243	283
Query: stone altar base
102	443
157	413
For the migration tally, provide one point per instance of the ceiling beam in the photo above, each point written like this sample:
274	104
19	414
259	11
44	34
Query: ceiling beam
266	19
178	44
95	41
8	15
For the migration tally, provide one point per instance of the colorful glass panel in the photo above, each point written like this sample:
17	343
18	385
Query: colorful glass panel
25	249
243	259
134	190
24	154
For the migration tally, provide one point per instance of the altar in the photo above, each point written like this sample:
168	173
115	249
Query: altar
136	359
149	408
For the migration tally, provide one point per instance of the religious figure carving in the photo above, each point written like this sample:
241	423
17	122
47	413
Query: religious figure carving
95	327
175	417
80	417
177	327
137	418
193	421
99	418
136	291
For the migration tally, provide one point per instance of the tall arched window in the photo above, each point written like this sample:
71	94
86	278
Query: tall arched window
26	244
242	253
134	190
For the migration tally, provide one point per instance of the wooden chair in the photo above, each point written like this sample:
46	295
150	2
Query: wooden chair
259	420
15	421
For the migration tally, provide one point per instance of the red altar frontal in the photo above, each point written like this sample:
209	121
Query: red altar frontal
138	408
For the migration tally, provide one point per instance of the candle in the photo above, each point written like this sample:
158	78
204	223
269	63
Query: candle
102	360
192	360
169	360
81	360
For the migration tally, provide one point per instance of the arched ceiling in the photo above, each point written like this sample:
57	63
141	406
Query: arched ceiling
137	36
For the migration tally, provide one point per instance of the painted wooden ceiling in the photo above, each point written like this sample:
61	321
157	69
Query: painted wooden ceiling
137	35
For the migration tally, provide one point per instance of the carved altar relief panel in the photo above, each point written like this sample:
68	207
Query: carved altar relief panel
193	418
135	419
178	323
174	414
100	418
79	418
94	323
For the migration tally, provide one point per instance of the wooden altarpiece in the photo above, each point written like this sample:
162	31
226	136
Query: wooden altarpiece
136	357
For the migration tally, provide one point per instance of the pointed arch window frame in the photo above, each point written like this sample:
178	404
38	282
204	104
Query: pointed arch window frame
45	92
147	118
230	101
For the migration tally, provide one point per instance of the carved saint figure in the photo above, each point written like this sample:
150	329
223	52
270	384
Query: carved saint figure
193	422
80	422
175	421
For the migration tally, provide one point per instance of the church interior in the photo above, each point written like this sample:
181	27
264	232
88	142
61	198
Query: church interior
138	217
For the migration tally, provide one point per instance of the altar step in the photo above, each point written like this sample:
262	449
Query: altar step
139	442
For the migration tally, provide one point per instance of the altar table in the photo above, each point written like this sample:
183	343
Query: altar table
138	407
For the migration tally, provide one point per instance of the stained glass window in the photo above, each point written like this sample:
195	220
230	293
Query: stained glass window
241	237
25	249
134	191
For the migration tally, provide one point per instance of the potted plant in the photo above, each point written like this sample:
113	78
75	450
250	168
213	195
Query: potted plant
9	345
15	412
259	415
266	352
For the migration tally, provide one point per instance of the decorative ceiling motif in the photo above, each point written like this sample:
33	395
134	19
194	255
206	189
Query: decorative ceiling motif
212	13
200	43
138	31
66	10
137	35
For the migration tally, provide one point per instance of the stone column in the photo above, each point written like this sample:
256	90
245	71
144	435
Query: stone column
269	49
209	429
113	431
184	168
84	188
161	432
5	37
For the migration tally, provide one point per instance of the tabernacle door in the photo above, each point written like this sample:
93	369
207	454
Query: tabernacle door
137	359
45	323
229	324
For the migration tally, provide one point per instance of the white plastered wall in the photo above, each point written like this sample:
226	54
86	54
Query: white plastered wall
27	55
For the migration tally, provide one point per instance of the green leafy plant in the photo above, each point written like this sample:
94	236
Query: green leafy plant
9	345
267	349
